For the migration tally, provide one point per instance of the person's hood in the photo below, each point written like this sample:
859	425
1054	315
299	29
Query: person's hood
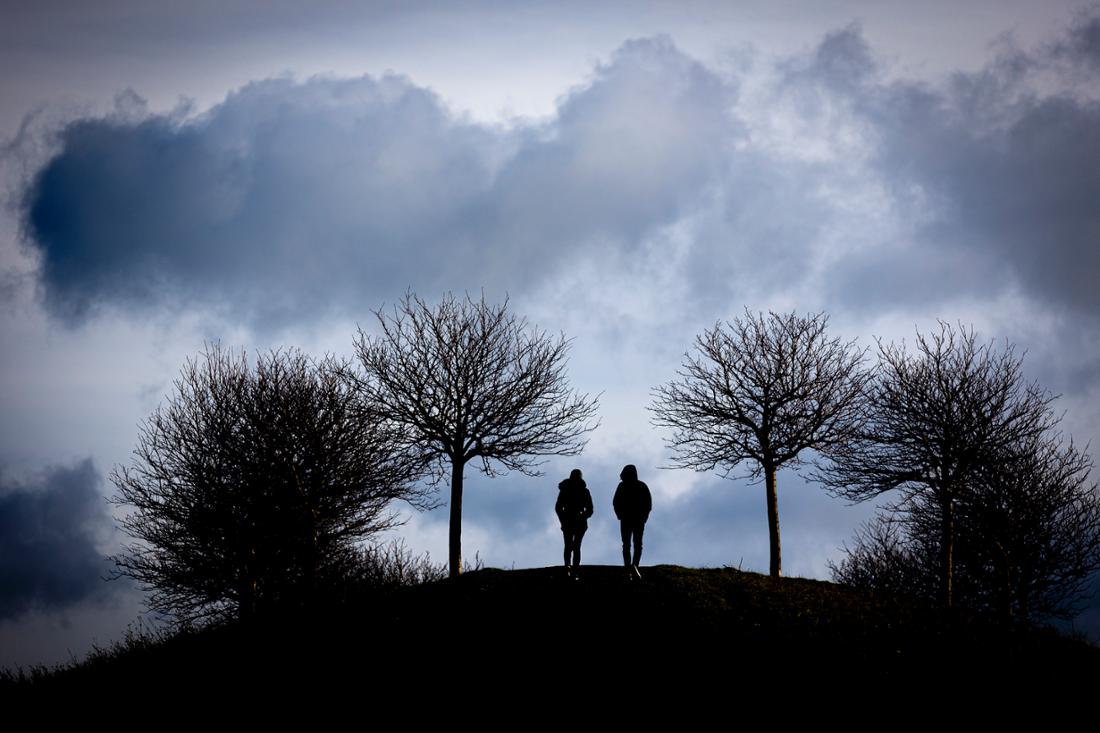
630	473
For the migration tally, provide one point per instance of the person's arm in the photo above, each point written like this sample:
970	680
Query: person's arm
647	500
588	510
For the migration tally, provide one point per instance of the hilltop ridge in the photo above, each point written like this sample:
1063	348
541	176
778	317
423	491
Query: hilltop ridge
508	626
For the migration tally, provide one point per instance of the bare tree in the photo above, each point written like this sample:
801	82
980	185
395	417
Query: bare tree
468	381
1030	530
937	419
1027	538
762	390
249	485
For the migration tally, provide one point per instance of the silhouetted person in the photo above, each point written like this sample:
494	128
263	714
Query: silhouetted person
633	503
574	507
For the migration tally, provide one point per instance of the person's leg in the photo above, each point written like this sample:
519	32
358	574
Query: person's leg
624	530
577	537
566	537
637	531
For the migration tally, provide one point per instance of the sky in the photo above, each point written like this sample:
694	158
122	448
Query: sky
628	175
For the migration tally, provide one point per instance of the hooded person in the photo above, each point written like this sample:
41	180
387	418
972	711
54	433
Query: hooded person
633	504
573	507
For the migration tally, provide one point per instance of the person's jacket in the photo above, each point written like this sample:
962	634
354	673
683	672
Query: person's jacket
574	504
632	501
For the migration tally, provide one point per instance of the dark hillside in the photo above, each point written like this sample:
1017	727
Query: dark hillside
536	626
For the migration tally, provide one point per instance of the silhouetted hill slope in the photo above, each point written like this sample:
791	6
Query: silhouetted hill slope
530	627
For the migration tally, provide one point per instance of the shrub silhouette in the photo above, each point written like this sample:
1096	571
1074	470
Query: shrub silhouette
250	486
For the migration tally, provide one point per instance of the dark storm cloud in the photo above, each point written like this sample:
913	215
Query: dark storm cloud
999	178
289	200
1081	45
280	198
48	531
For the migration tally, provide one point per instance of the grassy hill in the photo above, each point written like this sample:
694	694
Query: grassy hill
515	627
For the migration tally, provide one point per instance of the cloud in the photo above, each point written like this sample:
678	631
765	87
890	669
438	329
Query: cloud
48	534
995	172
292	200
1081	44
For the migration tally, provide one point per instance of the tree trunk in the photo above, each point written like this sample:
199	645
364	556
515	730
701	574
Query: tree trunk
773	520
947	554
454	560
